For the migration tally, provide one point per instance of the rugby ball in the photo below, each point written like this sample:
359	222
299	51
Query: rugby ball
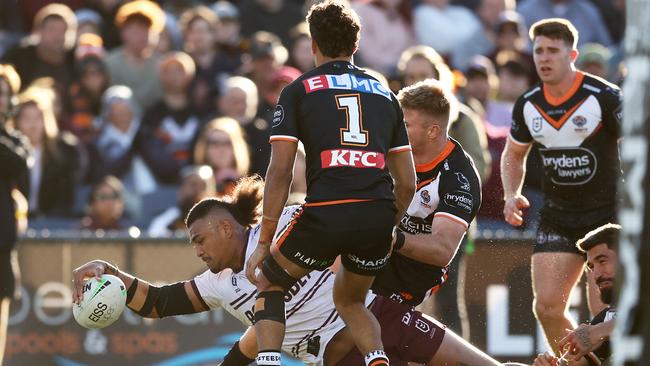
103	302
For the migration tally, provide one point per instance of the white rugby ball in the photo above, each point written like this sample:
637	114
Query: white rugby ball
103	302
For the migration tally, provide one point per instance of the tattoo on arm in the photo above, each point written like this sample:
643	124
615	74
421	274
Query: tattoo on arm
583	336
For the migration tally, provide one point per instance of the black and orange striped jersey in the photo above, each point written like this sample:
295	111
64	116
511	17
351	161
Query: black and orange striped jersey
448	186
348	122
577	136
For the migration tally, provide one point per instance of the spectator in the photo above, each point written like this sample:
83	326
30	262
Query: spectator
268	55
105	206
436	24
582	13
170	38
239	101
14	154
594	59
47	53
88	21
56	156
274	16
107	10
229	39
85	94
199	26
511	41
197	183
300	55
481	83
171	122
386	31
135	64
115	151
222	147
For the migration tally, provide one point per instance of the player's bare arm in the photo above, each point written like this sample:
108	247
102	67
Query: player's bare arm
438	247
276	191
513	169
401	167
182	295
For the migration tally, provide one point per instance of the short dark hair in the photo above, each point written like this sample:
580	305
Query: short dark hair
606	234
244	204
335	28
555	28
427	96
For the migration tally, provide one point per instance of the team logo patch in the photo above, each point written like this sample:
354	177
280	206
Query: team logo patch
537	124
424	194
579	121
464	182
278	115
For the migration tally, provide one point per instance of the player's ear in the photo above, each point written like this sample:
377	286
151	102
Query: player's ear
226	227
314	47
574	55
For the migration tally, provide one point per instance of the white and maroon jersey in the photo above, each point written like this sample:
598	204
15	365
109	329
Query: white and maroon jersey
577	136
448	186
312	319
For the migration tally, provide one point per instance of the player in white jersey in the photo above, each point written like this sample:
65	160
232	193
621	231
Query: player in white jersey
309	308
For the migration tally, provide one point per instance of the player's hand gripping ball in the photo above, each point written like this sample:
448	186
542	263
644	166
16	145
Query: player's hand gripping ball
103	302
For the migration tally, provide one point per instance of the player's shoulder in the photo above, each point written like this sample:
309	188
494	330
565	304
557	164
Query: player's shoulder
599	86
459	164
533	92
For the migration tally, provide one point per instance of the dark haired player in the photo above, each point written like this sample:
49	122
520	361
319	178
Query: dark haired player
575	120
588	345
353	131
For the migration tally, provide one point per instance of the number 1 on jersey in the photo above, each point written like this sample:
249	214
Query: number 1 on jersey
353	133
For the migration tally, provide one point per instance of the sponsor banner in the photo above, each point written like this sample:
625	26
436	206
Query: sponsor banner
345	82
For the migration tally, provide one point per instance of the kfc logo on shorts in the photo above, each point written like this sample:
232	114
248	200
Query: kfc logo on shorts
337	158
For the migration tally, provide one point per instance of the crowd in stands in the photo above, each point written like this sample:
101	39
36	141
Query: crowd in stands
135	110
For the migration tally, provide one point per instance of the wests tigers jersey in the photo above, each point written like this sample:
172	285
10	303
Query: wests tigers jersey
348	122
312	320
449	187
577	136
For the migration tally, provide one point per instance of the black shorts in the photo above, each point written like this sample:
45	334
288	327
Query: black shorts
407	334
552	238
361	232
8	273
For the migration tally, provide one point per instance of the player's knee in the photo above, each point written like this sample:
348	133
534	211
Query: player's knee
548	309
276	276
270	306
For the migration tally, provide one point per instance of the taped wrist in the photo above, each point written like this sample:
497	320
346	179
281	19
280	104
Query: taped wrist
236	358
168	300
270	306
131	291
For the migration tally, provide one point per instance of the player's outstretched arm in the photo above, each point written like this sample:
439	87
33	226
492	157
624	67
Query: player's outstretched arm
143	298
513	168
402	169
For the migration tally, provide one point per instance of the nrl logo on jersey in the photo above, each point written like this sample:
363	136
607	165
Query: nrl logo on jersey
537	124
